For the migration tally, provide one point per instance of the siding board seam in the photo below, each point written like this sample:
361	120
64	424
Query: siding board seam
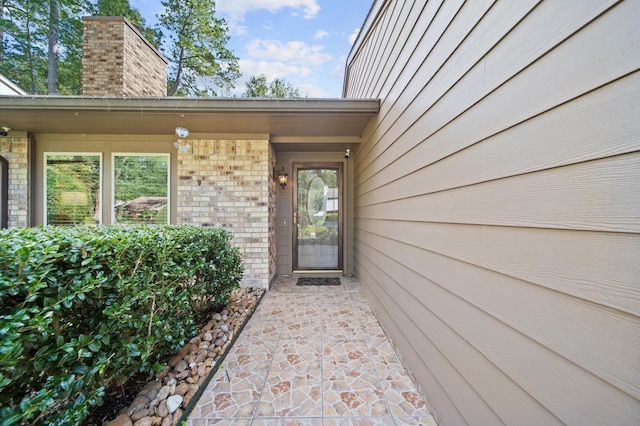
409	342
497	179
445	324
487	138
586	363
483	97
481	352
435	72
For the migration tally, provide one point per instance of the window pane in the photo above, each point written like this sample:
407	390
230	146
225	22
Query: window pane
73	189
141	186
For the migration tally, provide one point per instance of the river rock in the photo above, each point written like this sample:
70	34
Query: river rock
180	366
145	421
173	403
183	375
122	420
162	410
139	414
163	393
188	397
182	389
141	402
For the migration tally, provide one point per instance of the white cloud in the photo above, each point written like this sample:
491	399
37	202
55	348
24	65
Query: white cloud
320	34
271	69
354	35
338	71
237	9
311	90
294	52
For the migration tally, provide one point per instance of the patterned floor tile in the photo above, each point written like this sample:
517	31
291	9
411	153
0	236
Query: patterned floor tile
307	353
382	354
353	393
337	298
302	421
269	313
300	329
346	354
342	329
230	394
372	330
219	422
415	421
309	310
259	330
401	394
335	312
358	421
296	354
247	354
291	393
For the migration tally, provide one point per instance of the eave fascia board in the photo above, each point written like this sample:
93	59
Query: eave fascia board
187	105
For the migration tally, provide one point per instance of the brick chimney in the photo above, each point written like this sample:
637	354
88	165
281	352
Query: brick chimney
118	61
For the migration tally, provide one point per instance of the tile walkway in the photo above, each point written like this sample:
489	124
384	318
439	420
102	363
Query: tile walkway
311	356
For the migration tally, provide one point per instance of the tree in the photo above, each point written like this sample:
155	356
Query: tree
41	44
258	87
123	8
24	43
41	40
52	56
201	64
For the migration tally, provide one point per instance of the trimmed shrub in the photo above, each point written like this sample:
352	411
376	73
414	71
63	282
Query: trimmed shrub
83	307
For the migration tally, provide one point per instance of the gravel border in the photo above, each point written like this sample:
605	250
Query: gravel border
170	398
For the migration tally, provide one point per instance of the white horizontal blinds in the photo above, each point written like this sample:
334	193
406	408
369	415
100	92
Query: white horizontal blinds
141	188
73	189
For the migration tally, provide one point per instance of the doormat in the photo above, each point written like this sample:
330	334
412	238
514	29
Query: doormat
318	281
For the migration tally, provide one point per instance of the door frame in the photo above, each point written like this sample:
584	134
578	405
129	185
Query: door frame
294	242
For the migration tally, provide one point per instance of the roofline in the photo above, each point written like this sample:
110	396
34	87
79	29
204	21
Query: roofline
376	7
188	104
11	85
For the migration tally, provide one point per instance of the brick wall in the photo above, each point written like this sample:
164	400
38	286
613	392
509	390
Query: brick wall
227	183
16	151
118	61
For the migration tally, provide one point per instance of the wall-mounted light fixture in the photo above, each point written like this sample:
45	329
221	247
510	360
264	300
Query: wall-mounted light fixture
182	133
282	177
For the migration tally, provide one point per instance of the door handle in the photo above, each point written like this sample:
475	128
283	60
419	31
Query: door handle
295	218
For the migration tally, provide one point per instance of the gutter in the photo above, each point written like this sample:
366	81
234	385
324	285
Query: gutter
179	104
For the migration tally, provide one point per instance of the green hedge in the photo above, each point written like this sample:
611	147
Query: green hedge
83	307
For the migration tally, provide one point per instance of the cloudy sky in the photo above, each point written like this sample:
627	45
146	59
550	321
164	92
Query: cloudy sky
305	42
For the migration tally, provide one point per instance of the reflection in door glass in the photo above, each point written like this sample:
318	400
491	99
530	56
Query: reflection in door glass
317	212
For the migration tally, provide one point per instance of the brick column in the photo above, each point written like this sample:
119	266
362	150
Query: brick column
16	151
226	183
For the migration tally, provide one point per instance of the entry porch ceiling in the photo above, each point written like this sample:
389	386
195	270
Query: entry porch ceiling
155	116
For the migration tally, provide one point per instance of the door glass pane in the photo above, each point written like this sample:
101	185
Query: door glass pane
141	188
72	189
317	219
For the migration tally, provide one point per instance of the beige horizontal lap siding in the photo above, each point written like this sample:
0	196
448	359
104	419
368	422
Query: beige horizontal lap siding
497	194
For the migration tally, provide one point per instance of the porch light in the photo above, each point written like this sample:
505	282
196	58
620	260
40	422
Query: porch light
182	132
282	178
